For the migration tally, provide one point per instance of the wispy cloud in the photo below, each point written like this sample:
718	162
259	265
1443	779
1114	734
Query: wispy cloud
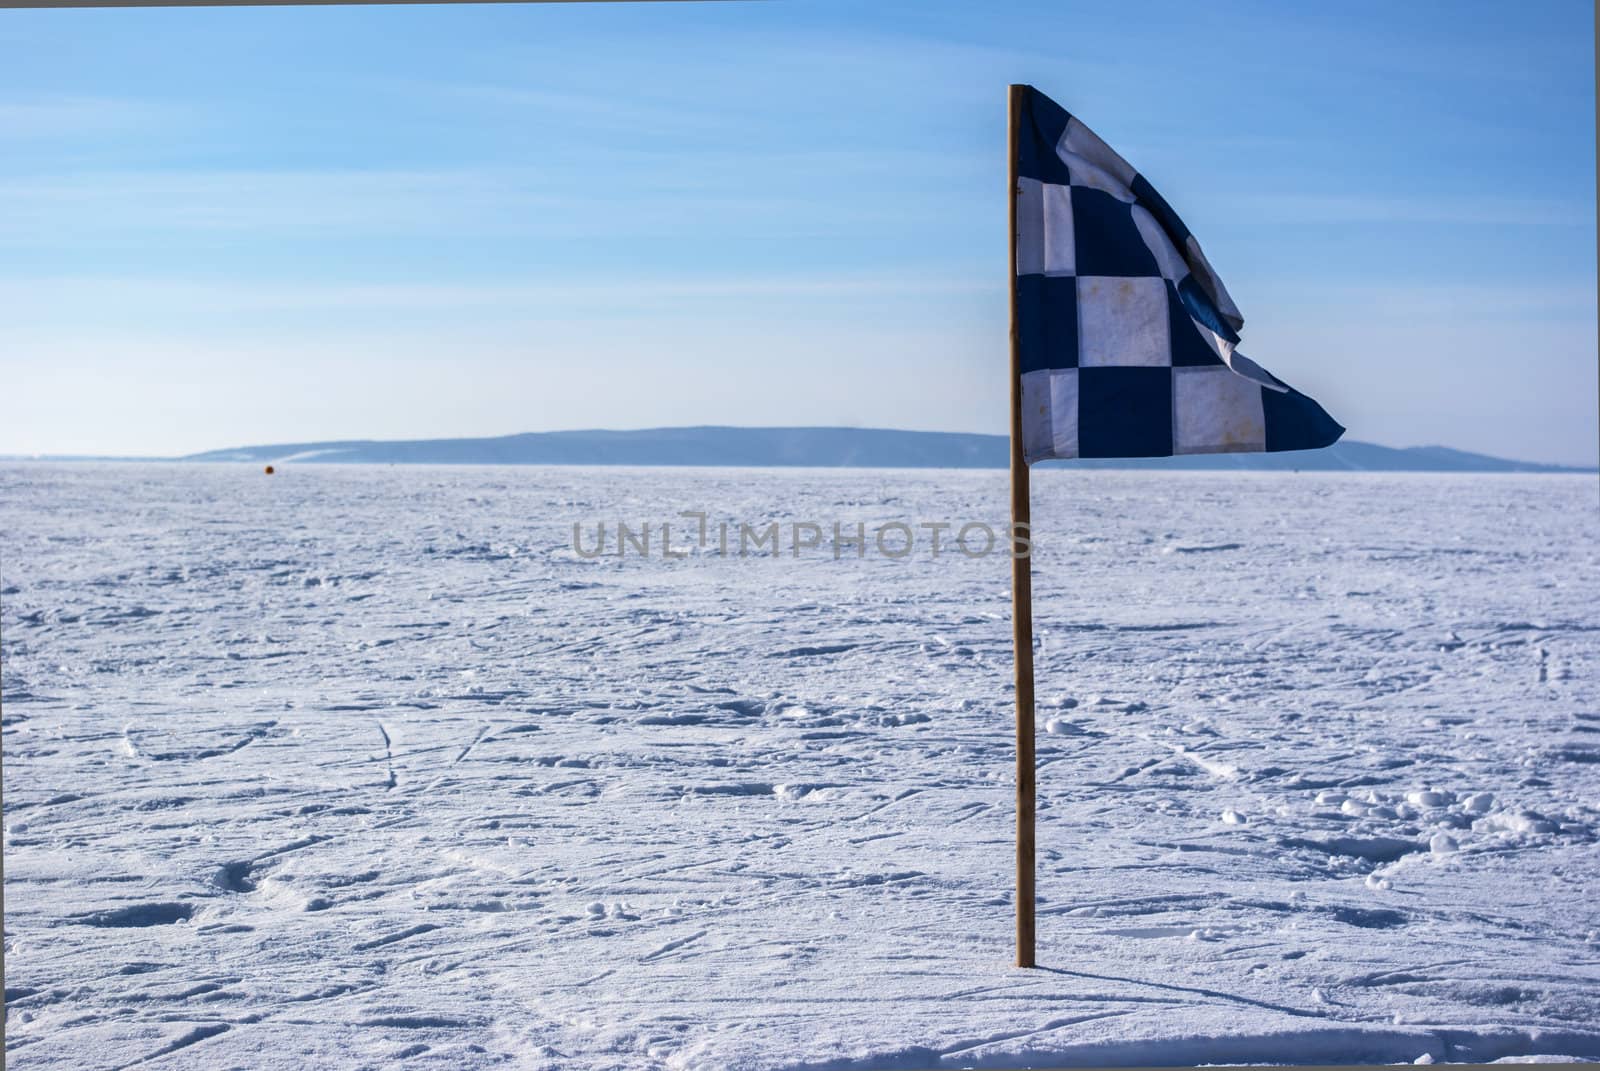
1421	305
1357	208
769	195
142	299
69	116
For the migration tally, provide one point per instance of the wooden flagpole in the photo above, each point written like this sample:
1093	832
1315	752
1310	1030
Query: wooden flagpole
1021	576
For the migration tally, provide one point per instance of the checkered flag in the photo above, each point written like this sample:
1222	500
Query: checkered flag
1125	335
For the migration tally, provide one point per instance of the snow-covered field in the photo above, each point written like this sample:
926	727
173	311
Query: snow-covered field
360	767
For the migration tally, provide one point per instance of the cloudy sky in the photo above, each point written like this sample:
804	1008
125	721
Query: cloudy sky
284	224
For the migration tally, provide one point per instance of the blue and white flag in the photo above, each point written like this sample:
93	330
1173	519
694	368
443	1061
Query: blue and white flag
1126	336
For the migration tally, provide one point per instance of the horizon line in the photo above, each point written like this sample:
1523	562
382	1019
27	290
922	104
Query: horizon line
207	456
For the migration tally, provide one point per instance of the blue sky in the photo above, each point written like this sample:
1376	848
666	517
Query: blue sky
283	224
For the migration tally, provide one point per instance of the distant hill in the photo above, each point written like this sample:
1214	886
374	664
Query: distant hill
827	448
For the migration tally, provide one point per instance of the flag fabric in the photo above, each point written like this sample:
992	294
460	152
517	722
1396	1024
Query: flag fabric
1126	337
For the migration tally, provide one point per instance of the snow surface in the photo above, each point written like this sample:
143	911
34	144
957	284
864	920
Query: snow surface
359	767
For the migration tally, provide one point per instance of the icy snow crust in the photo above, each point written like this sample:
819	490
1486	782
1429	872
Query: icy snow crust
360	766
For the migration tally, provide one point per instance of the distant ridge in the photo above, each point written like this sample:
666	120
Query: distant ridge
828	448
